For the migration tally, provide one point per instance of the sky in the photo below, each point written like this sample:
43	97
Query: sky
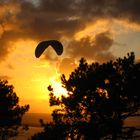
98	30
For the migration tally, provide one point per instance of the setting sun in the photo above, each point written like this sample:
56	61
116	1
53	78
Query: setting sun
58	89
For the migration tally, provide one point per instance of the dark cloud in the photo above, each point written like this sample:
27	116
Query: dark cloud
120	9
56	19
6	43
92	48
96	48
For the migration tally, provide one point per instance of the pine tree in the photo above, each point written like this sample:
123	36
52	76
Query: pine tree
100	98
10	111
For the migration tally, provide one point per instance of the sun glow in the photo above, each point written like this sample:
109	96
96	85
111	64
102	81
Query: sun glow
31	76
92	29
58	89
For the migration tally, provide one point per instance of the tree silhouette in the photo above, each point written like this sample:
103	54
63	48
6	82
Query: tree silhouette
10	111
100	98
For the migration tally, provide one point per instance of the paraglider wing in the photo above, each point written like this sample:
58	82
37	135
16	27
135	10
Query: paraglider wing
57	46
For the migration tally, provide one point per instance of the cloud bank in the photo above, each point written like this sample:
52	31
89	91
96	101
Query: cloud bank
57	19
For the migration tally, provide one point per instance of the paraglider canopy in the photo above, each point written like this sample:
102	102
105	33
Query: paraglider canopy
56	45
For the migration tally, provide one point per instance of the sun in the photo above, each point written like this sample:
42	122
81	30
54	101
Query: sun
58	89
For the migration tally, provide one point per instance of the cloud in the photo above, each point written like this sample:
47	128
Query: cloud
57	19
92	48
66	66
96	48
4	77
126	9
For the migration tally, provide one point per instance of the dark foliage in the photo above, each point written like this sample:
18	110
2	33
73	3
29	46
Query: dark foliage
100	98
10	111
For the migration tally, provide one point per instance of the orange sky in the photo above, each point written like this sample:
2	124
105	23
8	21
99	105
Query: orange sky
96	31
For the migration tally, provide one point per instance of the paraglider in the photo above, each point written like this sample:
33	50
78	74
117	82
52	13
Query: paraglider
56	45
